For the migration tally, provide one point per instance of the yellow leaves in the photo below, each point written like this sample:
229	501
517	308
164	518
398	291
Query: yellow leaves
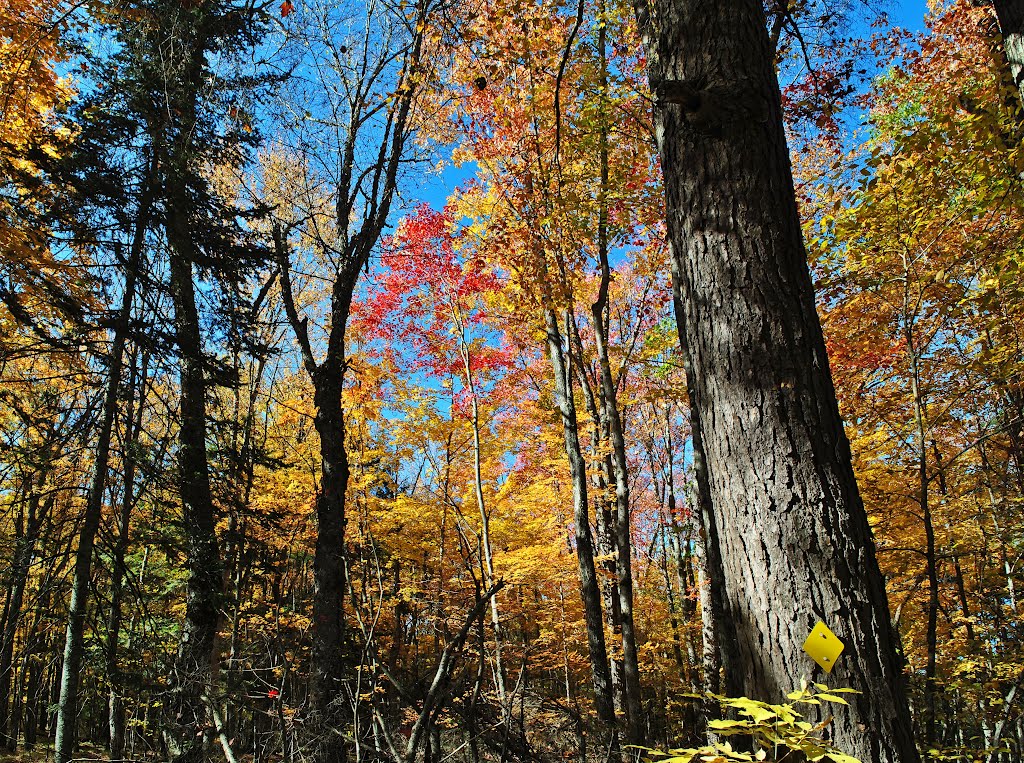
31	95
29	86
774	729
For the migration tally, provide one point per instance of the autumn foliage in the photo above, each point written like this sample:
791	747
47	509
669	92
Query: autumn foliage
521	272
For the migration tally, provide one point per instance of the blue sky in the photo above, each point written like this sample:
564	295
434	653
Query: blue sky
908	13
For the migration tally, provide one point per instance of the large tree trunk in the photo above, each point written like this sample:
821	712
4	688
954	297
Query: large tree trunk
74	647
193	665
794	538
329	568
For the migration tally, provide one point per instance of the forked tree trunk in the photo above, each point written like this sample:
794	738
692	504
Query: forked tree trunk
363	204
330	576
793	534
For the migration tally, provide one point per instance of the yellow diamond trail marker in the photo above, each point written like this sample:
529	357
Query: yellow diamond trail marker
823	646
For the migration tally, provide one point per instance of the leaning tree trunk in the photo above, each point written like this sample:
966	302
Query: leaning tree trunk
74	645
793	534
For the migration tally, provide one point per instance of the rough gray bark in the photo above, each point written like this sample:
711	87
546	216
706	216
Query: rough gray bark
1011	23
67	704
788	520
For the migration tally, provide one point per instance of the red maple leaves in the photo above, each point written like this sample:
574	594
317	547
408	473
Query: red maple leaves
428	301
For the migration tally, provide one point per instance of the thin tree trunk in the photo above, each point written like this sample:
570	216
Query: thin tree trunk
931	566
961	588
673	607
485	534
600	478
67	704
589	587
118	572
793	534
27	526
604	516
717	653
620	468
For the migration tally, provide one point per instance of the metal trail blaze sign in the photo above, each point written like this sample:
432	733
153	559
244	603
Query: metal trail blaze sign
824	647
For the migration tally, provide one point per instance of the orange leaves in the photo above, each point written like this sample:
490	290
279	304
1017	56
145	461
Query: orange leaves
915	241
287	8
31	95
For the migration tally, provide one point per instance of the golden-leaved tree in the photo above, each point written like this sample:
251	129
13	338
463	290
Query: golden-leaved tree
917	250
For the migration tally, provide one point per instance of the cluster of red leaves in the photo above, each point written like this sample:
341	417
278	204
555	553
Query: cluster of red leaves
428	299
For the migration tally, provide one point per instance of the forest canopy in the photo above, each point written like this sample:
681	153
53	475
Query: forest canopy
511	381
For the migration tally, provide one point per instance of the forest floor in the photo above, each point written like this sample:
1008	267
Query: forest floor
44	754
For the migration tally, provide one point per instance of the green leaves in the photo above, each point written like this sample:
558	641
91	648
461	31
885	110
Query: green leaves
774	729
